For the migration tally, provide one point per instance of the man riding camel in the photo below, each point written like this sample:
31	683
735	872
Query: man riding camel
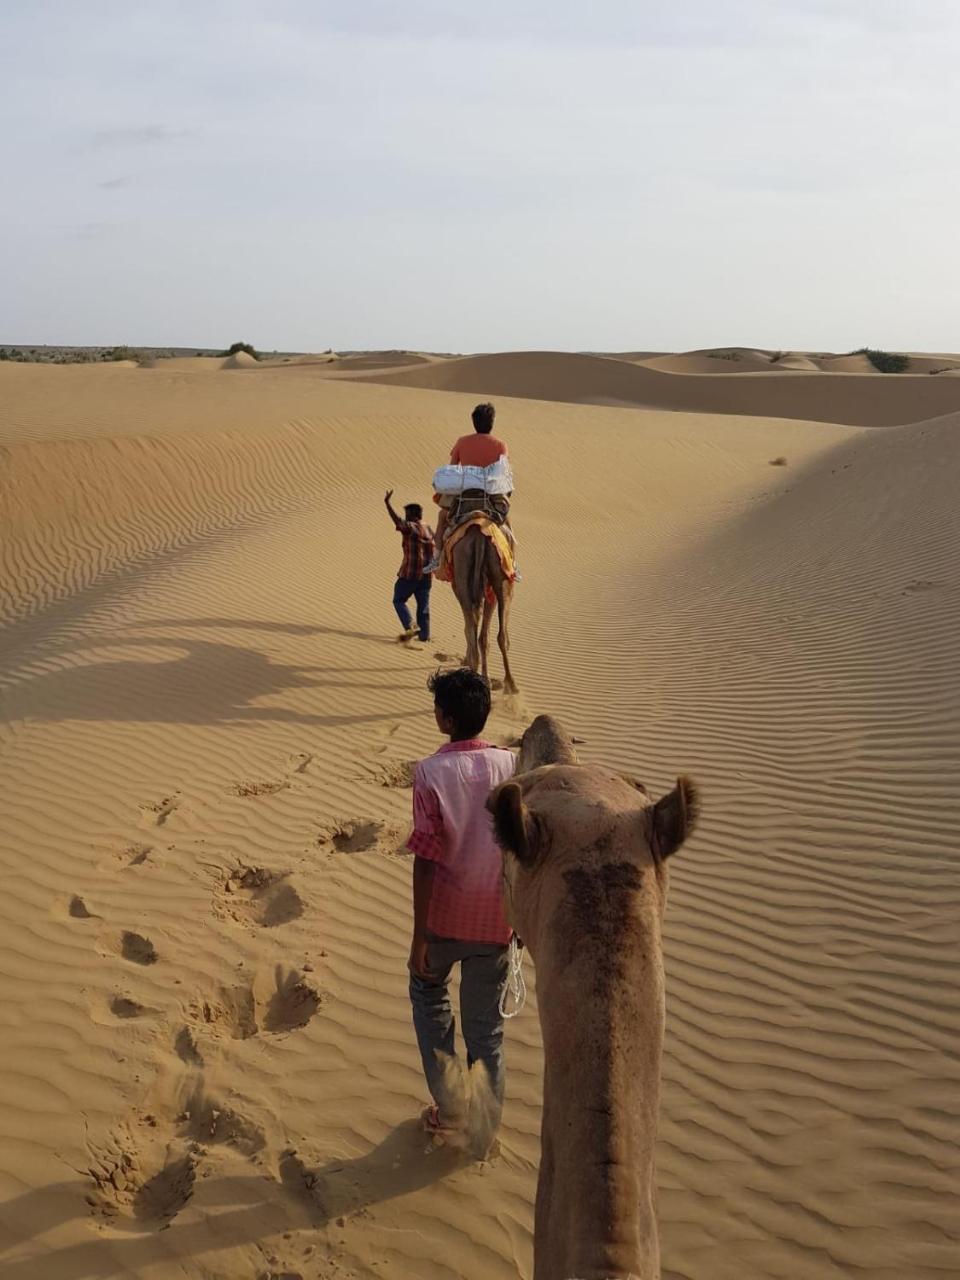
482	449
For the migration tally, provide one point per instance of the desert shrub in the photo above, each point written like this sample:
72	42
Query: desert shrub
236	347
884	361
777	356
118	353
724	355
778	462
4	353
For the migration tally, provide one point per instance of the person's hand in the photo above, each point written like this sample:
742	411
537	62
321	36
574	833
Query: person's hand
419	962
388	495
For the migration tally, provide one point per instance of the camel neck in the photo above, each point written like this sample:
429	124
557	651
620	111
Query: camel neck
601	1096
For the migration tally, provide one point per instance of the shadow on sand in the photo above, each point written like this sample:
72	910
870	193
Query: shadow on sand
238	1210
209	682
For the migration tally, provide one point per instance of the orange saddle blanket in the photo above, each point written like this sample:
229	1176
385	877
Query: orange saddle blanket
491	530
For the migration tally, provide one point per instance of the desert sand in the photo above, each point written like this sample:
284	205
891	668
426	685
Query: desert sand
208	1068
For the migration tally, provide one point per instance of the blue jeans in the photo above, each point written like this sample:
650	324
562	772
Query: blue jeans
483	976
420	588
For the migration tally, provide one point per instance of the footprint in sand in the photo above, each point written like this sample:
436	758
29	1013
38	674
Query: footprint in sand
230	1011
399	774
299	762
303	1184
77	908
138	949
356	836
155	813
186	1048
293	1003
211	1123
255	896
135	855
125	1007
138	1176
239	1012
362	835
258	788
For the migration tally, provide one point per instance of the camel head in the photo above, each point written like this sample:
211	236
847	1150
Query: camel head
573	834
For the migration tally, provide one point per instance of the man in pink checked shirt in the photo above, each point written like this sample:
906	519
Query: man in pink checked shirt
458	913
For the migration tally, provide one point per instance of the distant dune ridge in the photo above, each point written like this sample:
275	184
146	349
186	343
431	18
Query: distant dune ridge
855	399
208	1068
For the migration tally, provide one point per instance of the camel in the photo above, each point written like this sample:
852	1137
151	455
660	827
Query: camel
475	565
585	882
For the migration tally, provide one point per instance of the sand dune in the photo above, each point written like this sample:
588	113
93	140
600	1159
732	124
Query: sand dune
385	360
695	362
208	1067
877	400
795	360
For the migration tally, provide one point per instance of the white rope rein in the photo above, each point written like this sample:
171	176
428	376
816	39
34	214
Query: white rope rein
515	987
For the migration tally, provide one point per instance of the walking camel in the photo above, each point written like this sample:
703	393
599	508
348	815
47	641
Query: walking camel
585	885
476	565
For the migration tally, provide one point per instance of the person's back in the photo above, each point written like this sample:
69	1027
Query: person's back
458	915
467	897
477	450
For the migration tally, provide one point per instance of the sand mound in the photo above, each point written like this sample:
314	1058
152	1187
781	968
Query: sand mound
208	1068
240	360
548	375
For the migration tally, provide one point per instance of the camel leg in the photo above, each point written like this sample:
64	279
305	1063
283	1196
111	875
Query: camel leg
485	635
463	573
504	597
471	626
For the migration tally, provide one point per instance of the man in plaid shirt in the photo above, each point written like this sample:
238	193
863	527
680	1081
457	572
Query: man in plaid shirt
458	915
413	579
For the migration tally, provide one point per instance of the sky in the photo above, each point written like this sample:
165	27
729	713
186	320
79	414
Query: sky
452	176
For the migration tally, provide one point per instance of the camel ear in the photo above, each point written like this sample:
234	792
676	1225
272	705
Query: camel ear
674	817
513	825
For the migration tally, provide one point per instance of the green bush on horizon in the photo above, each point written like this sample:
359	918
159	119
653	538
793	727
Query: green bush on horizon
236	347
884	361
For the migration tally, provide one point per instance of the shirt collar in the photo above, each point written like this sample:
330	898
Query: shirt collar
469	744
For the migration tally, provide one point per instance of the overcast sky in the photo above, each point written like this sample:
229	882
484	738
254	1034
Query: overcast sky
461	176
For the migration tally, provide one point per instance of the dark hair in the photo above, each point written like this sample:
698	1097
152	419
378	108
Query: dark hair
483	416
464	697
413	511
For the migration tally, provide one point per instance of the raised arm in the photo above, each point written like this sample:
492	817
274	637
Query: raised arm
390	511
